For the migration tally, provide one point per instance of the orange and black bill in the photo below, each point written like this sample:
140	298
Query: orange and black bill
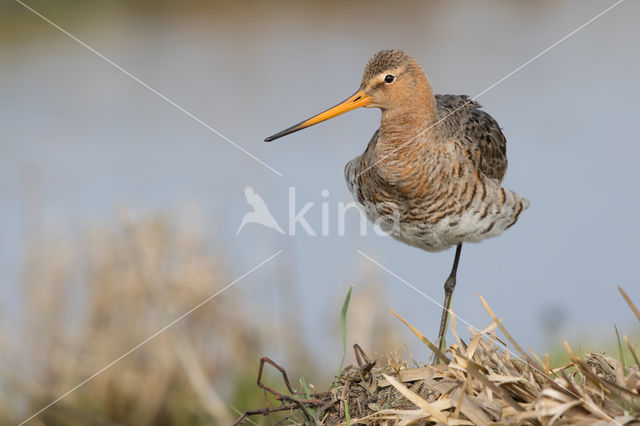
359	99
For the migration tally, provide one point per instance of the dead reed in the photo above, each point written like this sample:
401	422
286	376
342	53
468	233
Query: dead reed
479	382
83	302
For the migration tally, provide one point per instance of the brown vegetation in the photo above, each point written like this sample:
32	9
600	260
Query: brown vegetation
84	304
476	383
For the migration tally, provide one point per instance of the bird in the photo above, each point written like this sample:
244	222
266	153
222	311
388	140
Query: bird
260	213
432	173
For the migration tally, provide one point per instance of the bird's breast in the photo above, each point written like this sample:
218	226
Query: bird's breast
433	204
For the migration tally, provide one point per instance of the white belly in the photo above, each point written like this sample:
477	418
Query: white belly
498	210
470	226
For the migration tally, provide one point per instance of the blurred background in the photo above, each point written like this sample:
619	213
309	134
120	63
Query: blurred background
118	212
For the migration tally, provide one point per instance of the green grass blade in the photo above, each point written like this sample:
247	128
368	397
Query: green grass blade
624	369
343	328
307	394
305	387
347	418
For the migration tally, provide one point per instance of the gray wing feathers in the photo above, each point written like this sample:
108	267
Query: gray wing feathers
461	118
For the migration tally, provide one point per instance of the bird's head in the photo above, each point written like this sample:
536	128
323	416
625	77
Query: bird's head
392	80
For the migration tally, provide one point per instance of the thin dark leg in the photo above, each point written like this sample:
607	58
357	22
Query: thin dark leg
449	285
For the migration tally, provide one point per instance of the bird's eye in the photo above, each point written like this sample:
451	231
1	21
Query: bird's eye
389	78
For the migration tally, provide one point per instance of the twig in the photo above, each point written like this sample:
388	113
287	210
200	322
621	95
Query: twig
363	361
325	407
264	411
360	355
283	398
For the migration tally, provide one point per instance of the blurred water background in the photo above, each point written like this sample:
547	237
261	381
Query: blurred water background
87	151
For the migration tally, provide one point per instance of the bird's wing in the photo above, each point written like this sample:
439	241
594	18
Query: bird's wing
461	119
254	199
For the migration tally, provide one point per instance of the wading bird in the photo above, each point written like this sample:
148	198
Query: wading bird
432	172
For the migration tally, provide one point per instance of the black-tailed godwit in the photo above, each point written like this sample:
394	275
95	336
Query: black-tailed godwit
432	172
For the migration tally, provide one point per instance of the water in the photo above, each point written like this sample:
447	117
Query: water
80	139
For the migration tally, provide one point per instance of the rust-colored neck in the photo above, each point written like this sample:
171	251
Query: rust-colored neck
413	117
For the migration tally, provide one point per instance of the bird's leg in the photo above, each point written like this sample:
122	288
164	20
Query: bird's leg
449	285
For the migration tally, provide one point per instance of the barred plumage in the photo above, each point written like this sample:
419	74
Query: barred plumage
432	173
454	202
440	176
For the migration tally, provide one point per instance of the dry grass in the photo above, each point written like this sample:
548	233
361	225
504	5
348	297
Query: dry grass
481	382
131	283
84	303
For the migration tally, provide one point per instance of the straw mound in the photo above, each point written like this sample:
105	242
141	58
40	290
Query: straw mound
484	384
481	382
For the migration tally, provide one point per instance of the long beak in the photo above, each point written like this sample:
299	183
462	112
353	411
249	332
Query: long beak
359	99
